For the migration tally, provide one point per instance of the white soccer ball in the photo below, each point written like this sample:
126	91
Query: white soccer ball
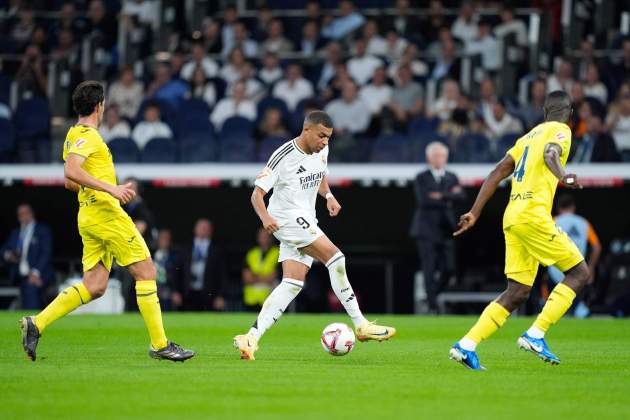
338	339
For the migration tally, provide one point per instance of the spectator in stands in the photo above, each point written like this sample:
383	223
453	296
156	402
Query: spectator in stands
263	19
66	51
332	60
349	21
593	87
313	11
350	114
311	41
618	122
447	64
271	71
231	71
230	18
487	46
212	41
377	94
335	86
165	259
532	112
583	235
150	127
167	87
437	191
465	26
434	21
41	39
362	65
596	145
463	120
102	25
276	42
500	122
28	253
409	58
236	105
446	102
69	21
619	71
31	77
510	25
271	125
127	93
487	97
578	122
375	43
201	88
260	271
562	78
293	88
406	102
254	89
23	29
113	126
403	21
587	58
203	271
243	41
140	17
141	214
199	59
396	46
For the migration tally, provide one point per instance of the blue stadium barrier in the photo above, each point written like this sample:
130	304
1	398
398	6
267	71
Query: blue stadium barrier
236	126
159	150
237	149
197	147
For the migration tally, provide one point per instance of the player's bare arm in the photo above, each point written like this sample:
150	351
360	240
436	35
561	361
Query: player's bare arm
258	202
553	152
73	170
71	185
332	204
503	169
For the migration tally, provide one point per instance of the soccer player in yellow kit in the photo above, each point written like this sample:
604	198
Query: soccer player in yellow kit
531	237
106	230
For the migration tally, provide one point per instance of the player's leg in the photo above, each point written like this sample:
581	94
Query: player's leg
323	250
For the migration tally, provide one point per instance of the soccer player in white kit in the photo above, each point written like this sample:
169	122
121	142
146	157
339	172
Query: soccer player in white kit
297	172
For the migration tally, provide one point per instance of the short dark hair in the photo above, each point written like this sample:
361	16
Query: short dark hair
565	201
86	96
318	117
557	106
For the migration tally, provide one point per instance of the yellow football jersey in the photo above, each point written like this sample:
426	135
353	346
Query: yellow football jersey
533	184
94	206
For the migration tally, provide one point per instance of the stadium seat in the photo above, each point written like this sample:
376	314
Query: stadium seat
237	149
267	146
7	139
391	148
422	124
159	150
271	102
193	118
472	148
504	144
236	126
32	118
196	147
124	150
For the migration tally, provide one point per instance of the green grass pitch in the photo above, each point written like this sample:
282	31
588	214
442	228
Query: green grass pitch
92	367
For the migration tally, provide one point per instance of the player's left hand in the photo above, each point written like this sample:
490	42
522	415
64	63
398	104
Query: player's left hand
35	280
333	206
466	221
571	181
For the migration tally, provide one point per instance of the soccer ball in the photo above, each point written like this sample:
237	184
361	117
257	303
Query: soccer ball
338	339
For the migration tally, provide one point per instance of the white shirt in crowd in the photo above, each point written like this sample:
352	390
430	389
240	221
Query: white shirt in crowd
270	76
353	116
621	131
254	90
517	27
229	73
292	94
120	129
418	69
145	131
553	83
377	46
209	66
127	99
295	177
375	97
227	107
362	68
465	30
488	47
597	91
443	108
207	93
497	128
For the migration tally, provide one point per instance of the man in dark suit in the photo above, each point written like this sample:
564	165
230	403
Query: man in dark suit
596	145
28	253
203	271
434	221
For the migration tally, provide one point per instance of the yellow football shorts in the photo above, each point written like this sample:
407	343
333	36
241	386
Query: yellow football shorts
529	244
118	238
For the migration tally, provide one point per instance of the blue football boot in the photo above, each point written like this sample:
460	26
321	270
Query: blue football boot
465	357
539	347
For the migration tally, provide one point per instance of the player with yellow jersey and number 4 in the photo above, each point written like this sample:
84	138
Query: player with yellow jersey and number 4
106	230
537	163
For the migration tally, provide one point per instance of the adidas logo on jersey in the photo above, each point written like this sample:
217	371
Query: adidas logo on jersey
300	170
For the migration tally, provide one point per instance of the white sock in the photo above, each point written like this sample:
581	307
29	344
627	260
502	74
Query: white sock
342	288
535	332
467	344
275	305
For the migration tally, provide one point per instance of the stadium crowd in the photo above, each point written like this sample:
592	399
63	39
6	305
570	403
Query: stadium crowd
238	87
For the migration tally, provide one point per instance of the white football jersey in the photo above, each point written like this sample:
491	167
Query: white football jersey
295	178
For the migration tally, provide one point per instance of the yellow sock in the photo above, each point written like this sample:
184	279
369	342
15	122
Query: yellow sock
492	318
558	303
149	305
65	302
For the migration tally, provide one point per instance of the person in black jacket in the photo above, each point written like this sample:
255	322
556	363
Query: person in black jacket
434	221
596	145
203	271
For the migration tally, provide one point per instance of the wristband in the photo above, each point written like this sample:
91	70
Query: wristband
328	195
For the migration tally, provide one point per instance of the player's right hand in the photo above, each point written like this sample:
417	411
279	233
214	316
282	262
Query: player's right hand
123	193
571	181
466	221
270	224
